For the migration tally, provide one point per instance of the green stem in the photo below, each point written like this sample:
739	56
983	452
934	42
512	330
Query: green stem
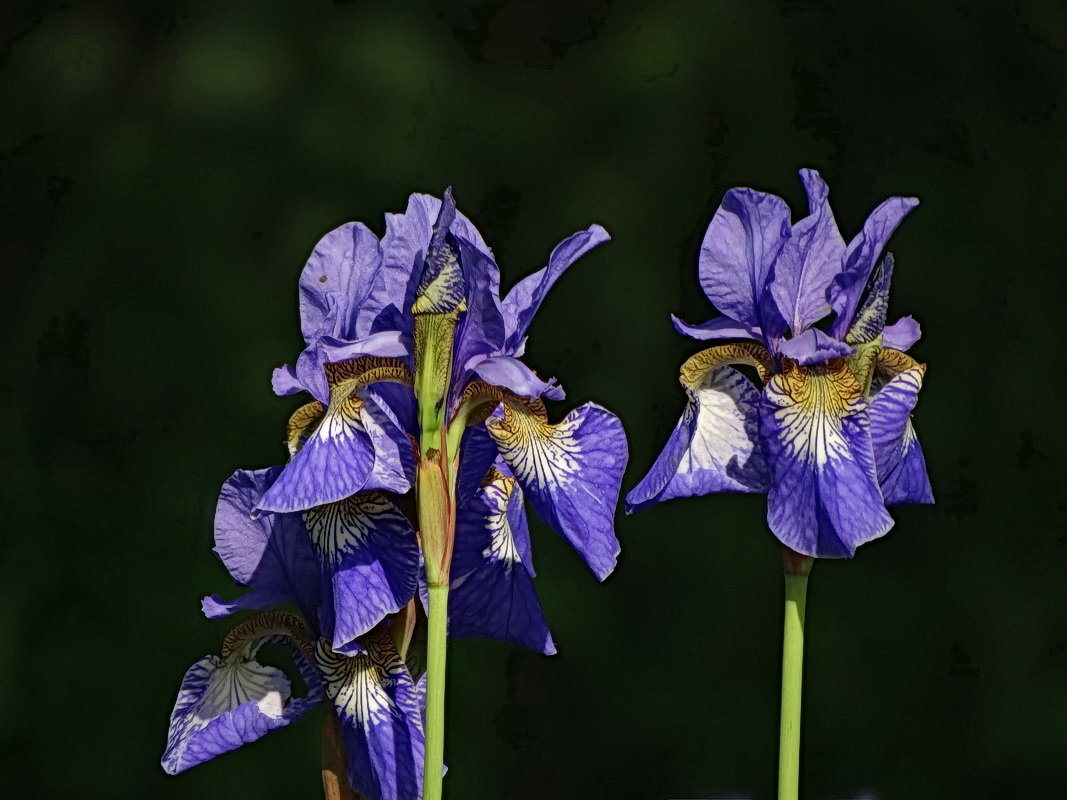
796	589
436	645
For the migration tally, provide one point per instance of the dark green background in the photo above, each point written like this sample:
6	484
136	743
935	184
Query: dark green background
165	172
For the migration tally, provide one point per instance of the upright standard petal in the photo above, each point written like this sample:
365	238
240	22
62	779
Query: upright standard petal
270	553
571	471
480	331
526	296
370	561
714	447
230	700
898	455
336	281
378	706
862	254
492	595
809	260
737	258
824	499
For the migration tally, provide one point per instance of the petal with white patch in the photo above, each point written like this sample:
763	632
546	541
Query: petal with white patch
492	594
714	447
230	700
824	499
571	472
380	712
898	454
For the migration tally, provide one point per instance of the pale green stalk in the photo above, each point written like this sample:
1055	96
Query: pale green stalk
796	588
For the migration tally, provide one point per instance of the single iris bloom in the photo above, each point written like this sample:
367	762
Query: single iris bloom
829	436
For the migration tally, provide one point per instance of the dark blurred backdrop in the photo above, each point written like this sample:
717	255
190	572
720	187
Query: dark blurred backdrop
166	168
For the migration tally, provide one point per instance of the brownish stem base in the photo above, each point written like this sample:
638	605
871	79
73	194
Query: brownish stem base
335	784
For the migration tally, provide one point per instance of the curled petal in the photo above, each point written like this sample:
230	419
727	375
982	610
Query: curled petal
526	296
229	700
718	328
737	258
898	455
378	707
284	381
696	367
370	560
824	499
492	594
270	553
814	347
571	471
902	334
510	373
713	448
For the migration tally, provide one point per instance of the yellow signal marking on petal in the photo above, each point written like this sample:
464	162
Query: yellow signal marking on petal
302	423
862	362
366	370
480	399
694	370
813	403
891	363
502	546
538	452
356	684
254	631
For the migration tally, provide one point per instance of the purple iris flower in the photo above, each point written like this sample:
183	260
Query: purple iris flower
829	436
357	436
329	533
231	699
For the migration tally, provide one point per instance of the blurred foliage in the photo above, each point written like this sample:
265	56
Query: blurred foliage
166	168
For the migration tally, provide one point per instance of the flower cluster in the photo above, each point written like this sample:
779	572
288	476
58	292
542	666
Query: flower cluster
412	366
828	437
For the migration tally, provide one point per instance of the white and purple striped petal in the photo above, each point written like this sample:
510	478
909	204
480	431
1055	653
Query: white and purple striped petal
370	563
824	499
230	700
492	594
898	454
571	472
269	553
336	461
379	708
714	447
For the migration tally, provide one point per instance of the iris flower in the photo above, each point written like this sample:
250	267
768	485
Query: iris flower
231	699
828	435
360	302
412	361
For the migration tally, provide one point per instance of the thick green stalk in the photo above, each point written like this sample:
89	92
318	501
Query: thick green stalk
436	647
796	589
